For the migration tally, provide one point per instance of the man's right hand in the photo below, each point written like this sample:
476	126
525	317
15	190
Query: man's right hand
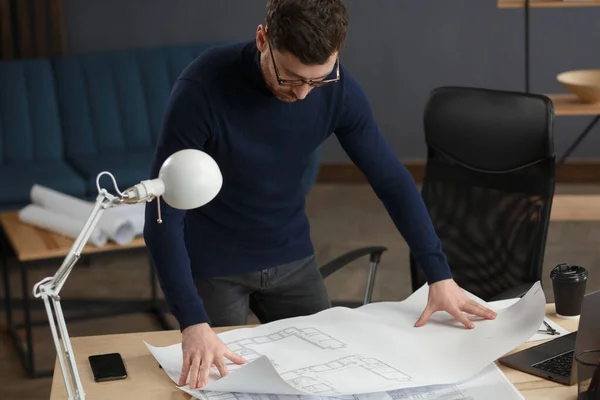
201	349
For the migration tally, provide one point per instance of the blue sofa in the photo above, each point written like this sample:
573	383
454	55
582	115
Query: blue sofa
65	119
111	107
31	135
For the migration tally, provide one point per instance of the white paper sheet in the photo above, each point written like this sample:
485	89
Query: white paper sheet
373	348
500	304
118	229
490	384
61	224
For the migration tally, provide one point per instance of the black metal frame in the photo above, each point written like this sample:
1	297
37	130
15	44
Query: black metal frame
339	262
579	139
592	123
92	308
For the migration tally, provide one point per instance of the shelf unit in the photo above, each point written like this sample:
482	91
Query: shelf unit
547	3
565	104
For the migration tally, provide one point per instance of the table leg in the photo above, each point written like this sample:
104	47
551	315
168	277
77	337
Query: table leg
6	274
25	350
30	363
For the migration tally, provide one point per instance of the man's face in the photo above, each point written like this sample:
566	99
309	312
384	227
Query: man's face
290	69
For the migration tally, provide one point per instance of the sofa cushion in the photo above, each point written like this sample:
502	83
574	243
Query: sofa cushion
30	128
114	101
31	144
17	180
127	168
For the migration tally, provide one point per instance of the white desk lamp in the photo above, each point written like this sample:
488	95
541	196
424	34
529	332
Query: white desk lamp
187	179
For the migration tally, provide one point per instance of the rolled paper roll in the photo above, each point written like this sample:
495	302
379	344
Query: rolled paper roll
59	223
117	228
134	213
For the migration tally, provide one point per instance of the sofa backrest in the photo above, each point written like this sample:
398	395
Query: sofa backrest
113	102
30	128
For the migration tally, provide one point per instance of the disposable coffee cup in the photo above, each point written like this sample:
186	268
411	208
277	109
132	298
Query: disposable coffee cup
568	283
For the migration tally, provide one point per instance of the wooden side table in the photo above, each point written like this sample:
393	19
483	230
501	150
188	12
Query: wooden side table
567	104
27	246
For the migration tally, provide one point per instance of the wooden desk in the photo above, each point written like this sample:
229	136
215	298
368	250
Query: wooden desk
26	246
147	381
575	207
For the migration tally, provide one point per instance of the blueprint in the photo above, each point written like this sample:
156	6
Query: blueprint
374	348
489	384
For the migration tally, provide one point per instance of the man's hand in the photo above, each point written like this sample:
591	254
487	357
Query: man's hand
447	296
201	349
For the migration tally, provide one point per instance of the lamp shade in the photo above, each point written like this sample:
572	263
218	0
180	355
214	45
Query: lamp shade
191	179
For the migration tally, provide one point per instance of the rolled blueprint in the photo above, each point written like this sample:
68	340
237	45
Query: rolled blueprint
59	223
134	213
117	228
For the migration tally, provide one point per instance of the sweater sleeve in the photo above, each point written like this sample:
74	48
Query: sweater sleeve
364	143
186	125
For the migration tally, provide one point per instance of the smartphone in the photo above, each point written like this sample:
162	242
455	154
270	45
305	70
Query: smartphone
107	367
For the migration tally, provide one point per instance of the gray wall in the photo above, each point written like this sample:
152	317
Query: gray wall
398	49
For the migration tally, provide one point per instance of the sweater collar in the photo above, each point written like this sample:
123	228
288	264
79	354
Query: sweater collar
255	72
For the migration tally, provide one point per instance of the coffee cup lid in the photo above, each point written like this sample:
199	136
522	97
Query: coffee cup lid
568	273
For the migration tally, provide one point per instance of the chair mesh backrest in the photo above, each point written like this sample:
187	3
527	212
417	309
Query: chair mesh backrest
489	185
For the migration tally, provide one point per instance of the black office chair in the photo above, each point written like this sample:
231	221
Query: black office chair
332	266
488	186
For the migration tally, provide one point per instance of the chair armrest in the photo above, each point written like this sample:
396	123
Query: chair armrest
345	259
517	291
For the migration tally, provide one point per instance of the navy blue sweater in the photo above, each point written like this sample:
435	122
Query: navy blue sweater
221	105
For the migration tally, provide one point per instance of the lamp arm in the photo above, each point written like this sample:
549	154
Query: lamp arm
49	288
182	194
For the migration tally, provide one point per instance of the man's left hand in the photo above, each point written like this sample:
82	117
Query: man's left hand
447	296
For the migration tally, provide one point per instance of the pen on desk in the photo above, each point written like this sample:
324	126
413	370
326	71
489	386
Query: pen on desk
549	330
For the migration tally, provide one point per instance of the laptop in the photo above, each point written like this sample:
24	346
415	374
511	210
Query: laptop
555	360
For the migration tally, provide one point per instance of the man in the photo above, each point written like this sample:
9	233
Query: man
260	109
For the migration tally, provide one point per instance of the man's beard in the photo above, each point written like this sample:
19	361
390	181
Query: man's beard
283	96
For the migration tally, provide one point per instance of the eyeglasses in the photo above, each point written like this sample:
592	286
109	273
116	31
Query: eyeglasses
300	82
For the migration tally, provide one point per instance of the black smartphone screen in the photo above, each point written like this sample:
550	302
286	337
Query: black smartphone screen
107	367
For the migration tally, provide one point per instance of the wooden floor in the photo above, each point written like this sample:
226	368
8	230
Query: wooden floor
342	218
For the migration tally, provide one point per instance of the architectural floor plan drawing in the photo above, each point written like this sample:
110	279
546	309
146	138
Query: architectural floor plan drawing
250	348
375	348
328	377
317	378
490	384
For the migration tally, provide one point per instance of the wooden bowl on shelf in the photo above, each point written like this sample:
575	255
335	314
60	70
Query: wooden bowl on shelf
584	83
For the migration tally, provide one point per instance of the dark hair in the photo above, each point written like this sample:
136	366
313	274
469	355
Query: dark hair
312	30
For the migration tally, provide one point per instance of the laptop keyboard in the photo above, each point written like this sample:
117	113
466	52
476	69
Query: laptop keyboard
559	365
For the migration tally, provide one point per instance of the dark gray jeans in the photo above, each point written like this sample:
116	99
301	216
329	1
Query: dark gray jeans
289	290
